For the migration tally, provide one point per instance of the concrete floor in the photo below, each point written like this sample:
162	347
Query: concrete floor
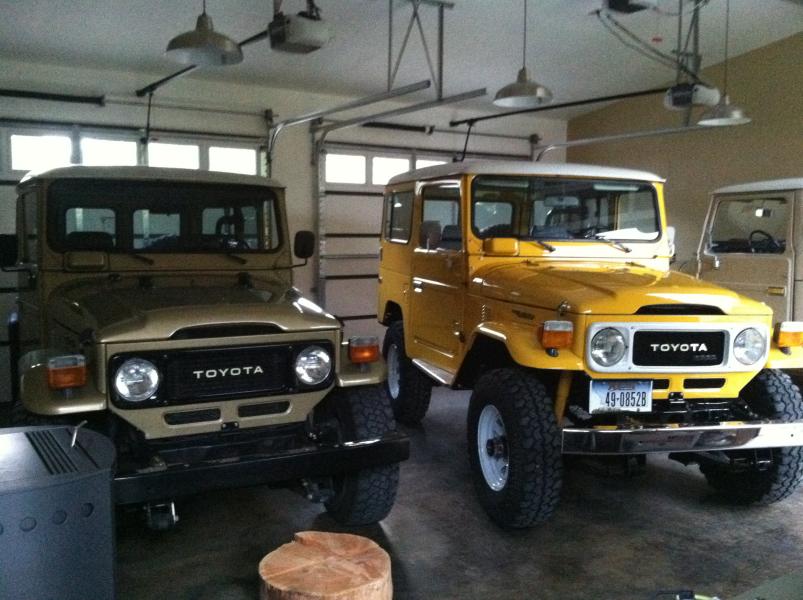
612	537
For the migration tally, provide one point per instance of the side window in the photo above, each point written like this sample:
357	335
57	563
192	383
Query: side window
90	228
440	224
398	217
30	217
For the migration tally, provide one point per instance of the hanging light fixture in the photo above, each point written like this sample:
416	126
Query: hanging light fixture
723	112
203	46
523	93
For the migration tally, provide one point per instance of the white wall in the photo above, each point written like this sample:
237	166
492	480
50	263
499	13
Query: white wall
292	160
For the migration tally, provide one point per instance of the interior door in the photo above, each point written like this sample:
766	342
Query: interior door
749	248
439	271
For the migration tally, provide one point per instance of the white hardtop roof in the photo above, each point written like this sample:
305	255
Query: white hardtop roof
149	174
495	167
770	185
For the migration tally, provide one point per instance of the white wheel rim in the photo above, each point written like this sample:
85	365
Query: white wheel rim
492	448
393	371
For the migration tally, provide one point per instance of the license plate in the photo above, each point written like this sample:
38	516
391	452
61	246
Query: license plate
620	396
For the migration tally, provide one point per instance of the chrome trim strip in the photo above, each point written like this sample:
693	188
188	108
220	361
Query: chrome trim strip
729	363
442	376
683	438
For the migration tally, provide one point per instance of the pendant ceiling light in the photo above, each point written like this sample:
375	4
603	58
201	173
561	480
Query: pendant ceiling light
723	112
203	46
523	93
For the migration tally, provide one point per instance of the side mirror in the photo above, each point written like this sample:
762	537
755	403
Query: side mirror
500	246
304	244
8	250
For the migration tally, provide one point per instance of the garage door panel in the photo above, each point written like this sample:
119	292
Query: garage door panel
366	246
365	327
352	214
8	197
354	266
349	297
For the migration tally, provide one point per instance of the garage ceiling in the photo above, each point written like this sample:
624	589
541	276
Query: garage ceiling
569	50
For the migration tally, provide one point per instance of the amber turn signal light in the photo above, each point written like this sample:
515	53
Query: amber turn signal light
790	334
68	371
364	349
557	334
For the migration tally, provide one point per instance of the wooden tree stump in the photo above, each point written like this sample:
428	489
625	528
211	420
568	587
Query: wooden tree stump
326	566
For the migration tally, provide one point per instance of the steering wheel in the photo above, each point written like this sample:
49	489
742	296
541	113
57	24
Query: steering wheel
589	232
768	244
233	243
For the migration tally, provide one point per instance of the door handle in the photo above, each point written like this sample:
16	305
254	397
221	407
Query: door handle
418	287
776	290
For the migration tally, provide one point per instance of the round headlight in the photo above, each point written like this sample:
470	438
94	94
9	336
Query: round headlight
313	365
136	380
608	346
749	346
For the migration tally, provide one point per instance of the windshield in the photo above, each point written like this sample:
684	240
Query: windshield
148	216
750	225
539	208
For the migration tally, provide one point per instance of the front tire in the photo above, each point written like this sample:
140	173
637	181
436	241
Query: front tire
365	496
514	448
771	394
407	387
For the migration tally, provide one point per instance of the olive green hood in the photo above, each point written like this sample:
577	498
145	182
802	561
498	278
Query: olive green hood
131	309
605	288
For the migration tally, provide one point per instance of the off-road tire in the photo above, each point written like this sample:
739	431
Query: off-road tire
366	496
532	490
411	401
771	394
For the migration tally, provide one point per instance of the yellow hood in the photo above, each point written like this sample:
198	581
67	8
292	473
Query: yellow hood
609	289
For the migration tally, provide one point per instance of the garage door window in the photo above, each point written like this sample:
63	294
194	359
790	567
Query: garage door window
104	152
384	167
345	168
178	156
39	152
233	160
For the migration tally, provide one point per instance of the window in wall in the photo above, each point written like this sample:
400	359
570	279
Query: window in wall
425	162
398	217
39	152
179	156
103	152
385	167
233	160
345	168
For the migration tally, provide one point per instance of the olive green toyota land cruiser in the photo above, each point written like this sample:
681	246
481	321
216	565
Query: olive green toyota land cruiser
157	306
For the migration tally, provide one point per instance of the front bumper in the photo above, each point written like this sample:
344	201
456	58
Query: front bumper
683	438
253	469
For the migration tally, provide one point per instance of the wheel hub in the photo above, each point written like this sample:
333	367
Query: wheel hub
394	374
492	448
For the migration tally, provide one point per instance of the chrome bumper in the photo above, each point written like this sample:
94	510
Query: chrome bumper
683	438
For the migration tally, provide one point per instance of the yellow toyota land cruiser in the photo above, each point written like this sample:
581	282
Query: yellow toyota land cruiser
546	289
157	306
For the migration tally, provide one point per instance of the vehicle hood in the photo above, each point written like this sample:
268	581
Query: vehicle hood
126	310
611	289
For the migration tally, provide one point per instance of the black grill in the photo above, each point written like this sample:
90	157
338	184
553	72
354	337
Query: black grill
209	374
678	348
228	372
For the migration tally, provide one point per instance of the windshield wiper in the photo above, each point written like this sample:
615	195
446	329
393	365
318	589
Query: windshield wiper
146	259
544	245
612	243
235	257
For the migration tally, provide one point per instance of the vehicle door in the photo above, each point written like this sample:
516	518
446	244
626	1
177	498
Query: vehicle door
439	271
748	246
